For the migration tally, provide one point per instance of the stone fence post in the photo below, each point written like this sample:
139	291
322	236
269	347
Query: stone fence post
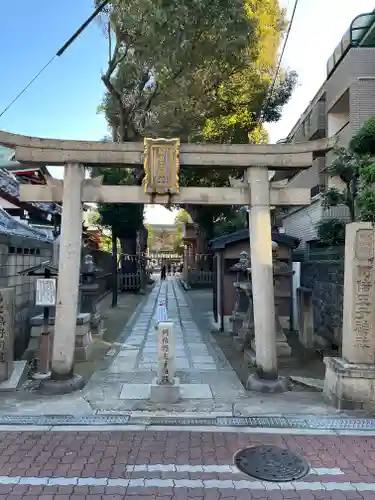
350	380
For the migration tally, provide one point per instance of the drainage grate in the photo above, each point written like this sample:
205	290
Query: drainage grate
271	463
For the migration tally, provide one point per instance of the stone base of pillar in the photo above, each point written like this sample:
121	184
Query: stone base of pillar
83	344
349	386
53	387
165	393
257	384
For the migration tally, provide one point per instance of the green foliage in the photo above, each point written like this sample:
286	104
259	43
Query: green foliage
230	223
182	217
363	142
358	175
366	195
347	166
124	219
331	232
197	70
150	236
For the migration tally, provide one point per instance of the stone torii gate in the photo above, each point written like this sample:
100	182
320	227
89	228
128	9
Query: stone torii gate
161	159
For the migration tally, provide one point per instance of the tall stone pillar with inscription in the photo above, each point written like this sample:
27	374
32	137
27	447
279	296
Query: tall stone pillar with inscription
7	304
350	380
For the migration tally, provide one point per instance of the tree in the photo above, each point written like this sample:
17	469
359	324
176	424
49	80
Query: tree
182	217
198	70
124	220
347	166
357	172
331	232
363	142
150	236
162	46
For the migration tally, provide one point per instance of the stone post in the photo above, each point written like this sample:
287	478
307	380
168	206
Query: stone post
89	295
266	379
350	380
7	304
63	378
56	251
242	302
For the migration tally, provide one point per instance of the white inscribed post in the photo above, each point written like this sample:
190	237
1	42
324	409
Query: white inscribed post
166	350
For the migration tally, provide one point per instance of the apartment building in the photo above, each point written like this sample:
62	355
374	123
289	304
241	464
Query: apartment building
341	106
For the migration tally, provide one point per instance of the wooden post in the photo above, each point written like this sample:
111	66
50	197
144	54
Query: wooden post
63	379
266	378
114	270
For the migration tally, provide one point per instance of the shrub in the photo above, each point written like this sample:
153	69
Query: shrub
331	231
363	142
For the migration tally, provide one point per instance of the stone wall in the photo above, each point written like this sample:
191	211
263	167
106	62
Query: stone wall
18	253
326	280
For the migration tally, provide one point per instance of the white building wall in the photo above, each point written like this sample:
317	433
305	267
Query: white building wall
302	222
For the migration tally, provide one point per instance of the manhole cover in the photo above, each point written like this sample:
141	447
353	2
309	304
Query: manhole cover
271	463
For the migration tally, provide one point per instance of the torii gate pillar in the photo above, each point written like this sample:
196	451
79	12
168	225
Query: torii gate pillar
266	379
63	379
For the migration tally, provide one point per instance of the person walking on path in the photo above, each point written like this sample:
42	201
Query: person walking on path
163	273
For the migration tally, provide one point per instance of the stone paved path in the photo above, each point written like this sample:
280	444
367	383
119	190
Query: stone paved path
175	466
208	383
139	350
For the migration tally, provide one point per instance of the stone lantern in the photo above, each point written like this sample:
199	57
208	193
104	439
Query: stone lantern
242	302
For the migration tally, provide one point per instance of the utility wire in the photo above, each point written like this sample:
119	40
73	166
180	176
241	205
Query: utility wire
272	88
59	53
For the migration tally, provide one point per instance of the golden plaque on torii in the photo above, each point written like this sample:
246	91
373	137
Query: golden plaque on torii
162	166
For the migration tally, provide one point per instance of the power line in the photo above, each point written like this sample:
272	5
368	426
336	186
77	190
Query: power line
272	88
59	53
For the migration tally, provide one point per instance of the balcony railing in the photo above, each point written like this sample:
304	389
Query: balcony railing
361	33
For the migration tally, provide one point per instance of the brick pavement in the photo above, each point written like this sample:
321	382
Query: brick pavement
175	465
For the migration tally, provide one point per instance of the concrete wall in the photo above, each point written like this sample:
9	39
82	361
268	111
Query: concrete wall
326	280
358	63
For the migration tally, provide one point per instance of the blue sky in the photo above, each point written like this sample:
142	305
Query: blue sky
62	103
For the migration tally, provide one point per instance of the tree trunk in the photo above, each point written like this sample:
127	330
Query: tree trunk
128	253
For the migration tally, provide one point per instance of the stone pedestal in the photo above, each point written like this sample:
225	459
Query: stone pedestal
88	297
305	317
83	340
242	301
245	334
165	388
281	271
283	349
350	380
165	393
240	309
349	386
